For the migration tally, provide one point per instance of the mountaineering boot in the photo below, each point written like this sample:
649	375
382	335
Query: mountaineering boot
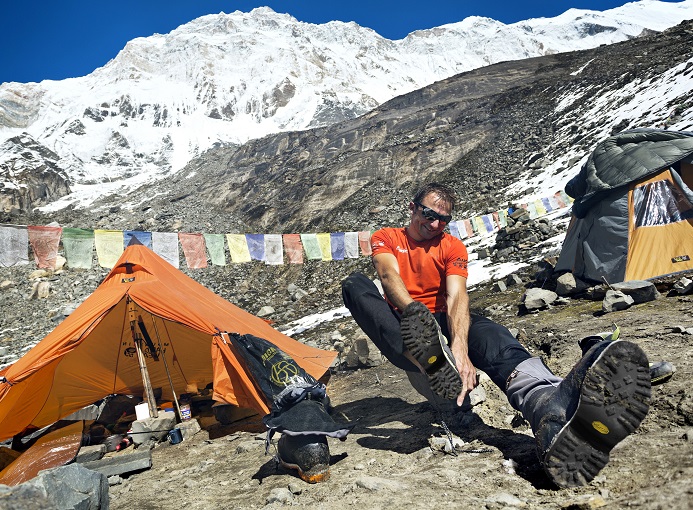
309	454
424	340
660	371
578	422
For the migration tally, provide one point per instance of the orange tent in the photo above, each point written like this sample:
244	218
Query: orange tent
91	354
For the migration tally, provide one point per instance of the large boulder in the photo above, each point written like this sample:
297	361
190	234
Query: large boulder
65	488
536	299
641	291
568	284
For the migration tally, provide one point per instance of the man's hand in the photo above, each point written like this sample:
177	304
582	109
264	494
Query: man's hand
468	376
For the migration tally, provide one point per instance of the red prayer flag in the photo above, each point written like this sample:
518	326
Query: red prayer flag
44	242
365	242
293	248
194	250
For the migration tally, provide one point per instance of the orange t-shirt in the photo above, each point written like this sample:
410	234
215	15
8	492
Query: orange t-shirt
424	265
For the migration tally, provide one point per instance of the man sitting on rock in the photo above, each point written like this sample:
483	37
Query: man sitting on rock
576	421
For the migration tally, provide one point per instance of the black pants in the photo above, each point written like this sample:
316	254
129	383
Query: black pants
492	348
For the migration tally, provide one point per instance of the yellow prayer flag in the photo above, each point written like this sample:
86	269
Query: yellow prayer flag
325	245
238	247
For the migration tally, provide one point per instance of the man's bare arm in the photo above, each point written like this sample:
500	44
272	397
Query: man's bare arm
388	271
458	324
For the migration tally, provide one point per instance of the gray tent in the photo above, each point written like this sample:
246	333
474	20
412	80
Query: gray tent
633	213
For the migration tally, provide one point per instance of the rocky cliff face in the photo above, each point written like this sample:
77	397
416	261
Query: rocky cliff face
30	175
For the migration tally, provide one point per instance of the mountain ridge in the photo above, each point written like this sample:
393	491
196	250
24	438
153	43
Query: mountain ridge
168	98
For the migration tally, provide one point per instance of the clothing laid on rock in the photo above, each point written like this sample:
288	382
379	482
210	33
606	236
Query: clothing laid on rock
300	408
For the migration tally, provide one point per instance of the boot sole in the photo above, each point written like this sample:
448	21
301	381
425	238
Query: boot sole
316	474
614	399
423	338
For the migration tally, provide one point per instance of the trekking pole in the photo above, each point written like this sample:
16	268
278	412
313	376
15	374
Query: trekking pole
149	392
168	373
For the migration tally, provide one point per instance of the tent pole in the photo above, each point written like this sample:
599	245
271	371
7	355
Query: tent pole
149	392
168	373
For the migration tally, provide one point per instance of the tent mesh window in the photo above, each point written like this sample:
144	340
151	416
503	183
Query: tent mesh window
660	203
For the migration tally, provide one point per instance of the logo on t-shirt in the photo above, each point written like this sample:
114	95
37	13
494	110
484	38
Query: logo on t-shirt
401	250
460	262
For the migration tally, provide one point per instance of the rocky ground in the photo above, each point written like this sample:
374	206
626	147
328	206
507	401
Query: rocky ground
388	459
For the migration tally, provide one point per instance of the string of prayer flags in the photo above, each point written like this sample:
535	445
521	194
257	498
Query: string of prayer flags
44	242
365	242
109	246
14	241
351	245
238	248
325	245
193	250
144	238
165	244
256	246
78	244
337	245
293	248
215	248
311	246
274	254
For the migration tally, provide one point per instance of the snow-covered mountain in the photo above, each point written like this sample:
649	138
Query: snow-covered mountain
227	78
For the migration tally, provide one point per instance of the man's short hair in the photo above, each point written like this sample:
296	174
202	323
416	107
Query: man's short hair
445	193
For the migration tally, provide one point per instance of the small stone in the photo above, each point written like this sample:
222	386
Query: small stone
499	287
295	487
506	499
265	311
536	299
616	300
115	480
7	284
280	495
246	446
376	484
586	502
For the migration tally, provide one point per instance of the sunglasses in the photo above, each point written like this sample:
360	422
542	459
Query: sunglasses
431	215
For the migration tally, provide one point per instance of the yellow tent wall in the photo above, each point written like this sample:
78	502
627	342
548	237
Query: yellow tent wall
658	249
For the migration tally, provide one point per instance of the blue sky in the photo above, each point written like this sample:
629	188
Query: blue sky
48	39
